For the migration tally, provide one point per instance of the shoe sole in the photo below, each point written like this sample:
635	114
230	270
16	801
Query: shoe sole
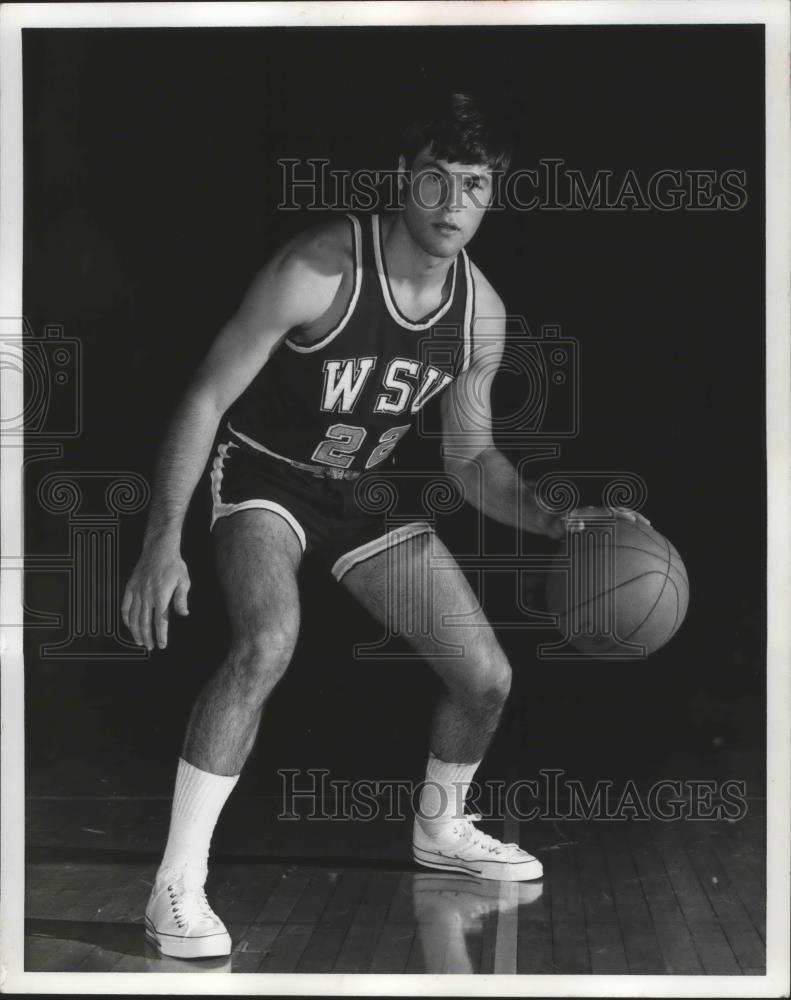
209	946
499	871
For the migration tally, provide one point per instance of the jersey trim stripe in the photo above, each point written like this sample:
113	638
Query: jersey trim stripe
392	308
394	537
469	313
357	286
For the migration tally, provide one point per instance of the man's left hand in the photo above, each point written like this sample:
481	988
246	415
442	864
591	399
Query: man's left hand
575	520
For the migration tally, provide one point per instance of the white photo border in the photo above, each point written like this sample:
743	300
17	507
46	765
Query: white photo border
774	14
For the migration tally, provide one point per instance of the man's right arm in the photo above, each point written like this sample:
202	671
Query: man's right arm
294	289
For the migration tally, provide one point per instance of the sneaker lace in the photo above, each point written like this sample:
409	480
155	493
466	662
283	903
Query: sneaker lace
189	903
481	839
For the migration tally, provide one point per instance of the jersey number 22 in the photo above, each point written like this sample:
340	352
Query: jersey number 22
344	441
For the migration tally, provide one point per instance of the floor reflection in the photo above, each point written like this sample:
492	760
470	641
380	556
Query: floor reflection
452	912
117	947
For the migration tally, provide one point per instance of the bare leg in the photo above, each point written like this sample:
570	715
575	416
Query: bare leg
257	558
405	584
419	580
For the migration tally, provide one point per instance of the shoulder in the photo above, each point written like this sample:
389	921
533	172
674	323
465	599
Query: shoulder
313	268
302	279
488	304
326	249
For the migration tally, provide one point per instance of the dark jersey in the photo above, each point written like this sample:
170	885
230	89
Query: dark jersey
346	400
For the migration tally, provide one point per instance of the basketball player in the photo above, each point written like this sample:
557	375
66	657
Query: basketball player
311	384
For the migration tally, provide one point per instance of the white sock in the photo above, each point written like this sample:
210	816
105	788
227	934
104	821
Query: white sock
197	802
442	796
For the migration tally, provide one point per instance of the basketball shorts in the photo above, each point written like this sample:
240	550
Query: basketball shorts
324	513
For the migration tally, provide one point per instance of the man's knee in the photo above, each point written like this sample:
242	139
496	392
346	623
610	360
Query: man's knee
495	684
485	679
259	656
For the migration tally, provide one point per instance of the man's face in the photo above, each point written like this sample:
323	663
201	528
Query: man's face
445	203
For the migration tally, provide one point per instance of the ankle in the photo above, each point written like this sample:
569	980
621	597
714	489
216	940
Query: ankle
445	789
435	828
191	873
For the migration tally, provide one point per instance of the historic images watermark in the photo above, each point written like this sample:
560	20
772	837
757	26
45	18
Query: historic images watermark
43	377
312	794
312	184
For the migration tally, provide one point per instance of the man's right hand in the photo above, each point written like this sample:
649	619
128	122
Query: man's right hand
295	289
159	577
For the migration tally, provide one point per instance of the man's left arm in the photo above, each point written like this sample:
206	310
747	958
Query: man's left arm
491	483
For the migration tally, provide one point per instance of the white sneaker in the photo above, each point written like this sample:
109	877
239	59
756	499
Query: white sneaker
459	846
180	922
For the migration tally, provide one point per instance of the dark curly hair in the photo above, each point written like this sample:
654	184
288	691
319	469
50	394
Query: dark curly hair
459	129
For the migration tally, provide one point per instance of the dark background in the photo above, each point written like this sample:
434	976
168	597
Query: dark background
151	188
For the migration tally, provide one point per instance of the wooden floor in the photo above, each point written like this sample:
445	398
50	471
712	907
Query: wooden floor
634	897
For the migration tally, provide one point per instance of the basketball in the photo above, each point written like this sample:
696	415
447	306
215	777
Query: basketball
624	588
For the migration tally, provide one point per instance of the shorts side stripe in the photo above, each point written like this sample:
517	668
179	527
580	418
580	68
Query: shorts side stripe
221	509
350	559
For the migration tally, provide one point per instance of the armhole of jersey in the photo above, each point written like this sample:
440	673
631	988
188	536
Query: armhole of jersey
357	281
469	314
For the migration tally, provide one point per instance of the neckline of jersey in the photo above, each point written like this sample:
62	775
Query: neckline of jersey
392	306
